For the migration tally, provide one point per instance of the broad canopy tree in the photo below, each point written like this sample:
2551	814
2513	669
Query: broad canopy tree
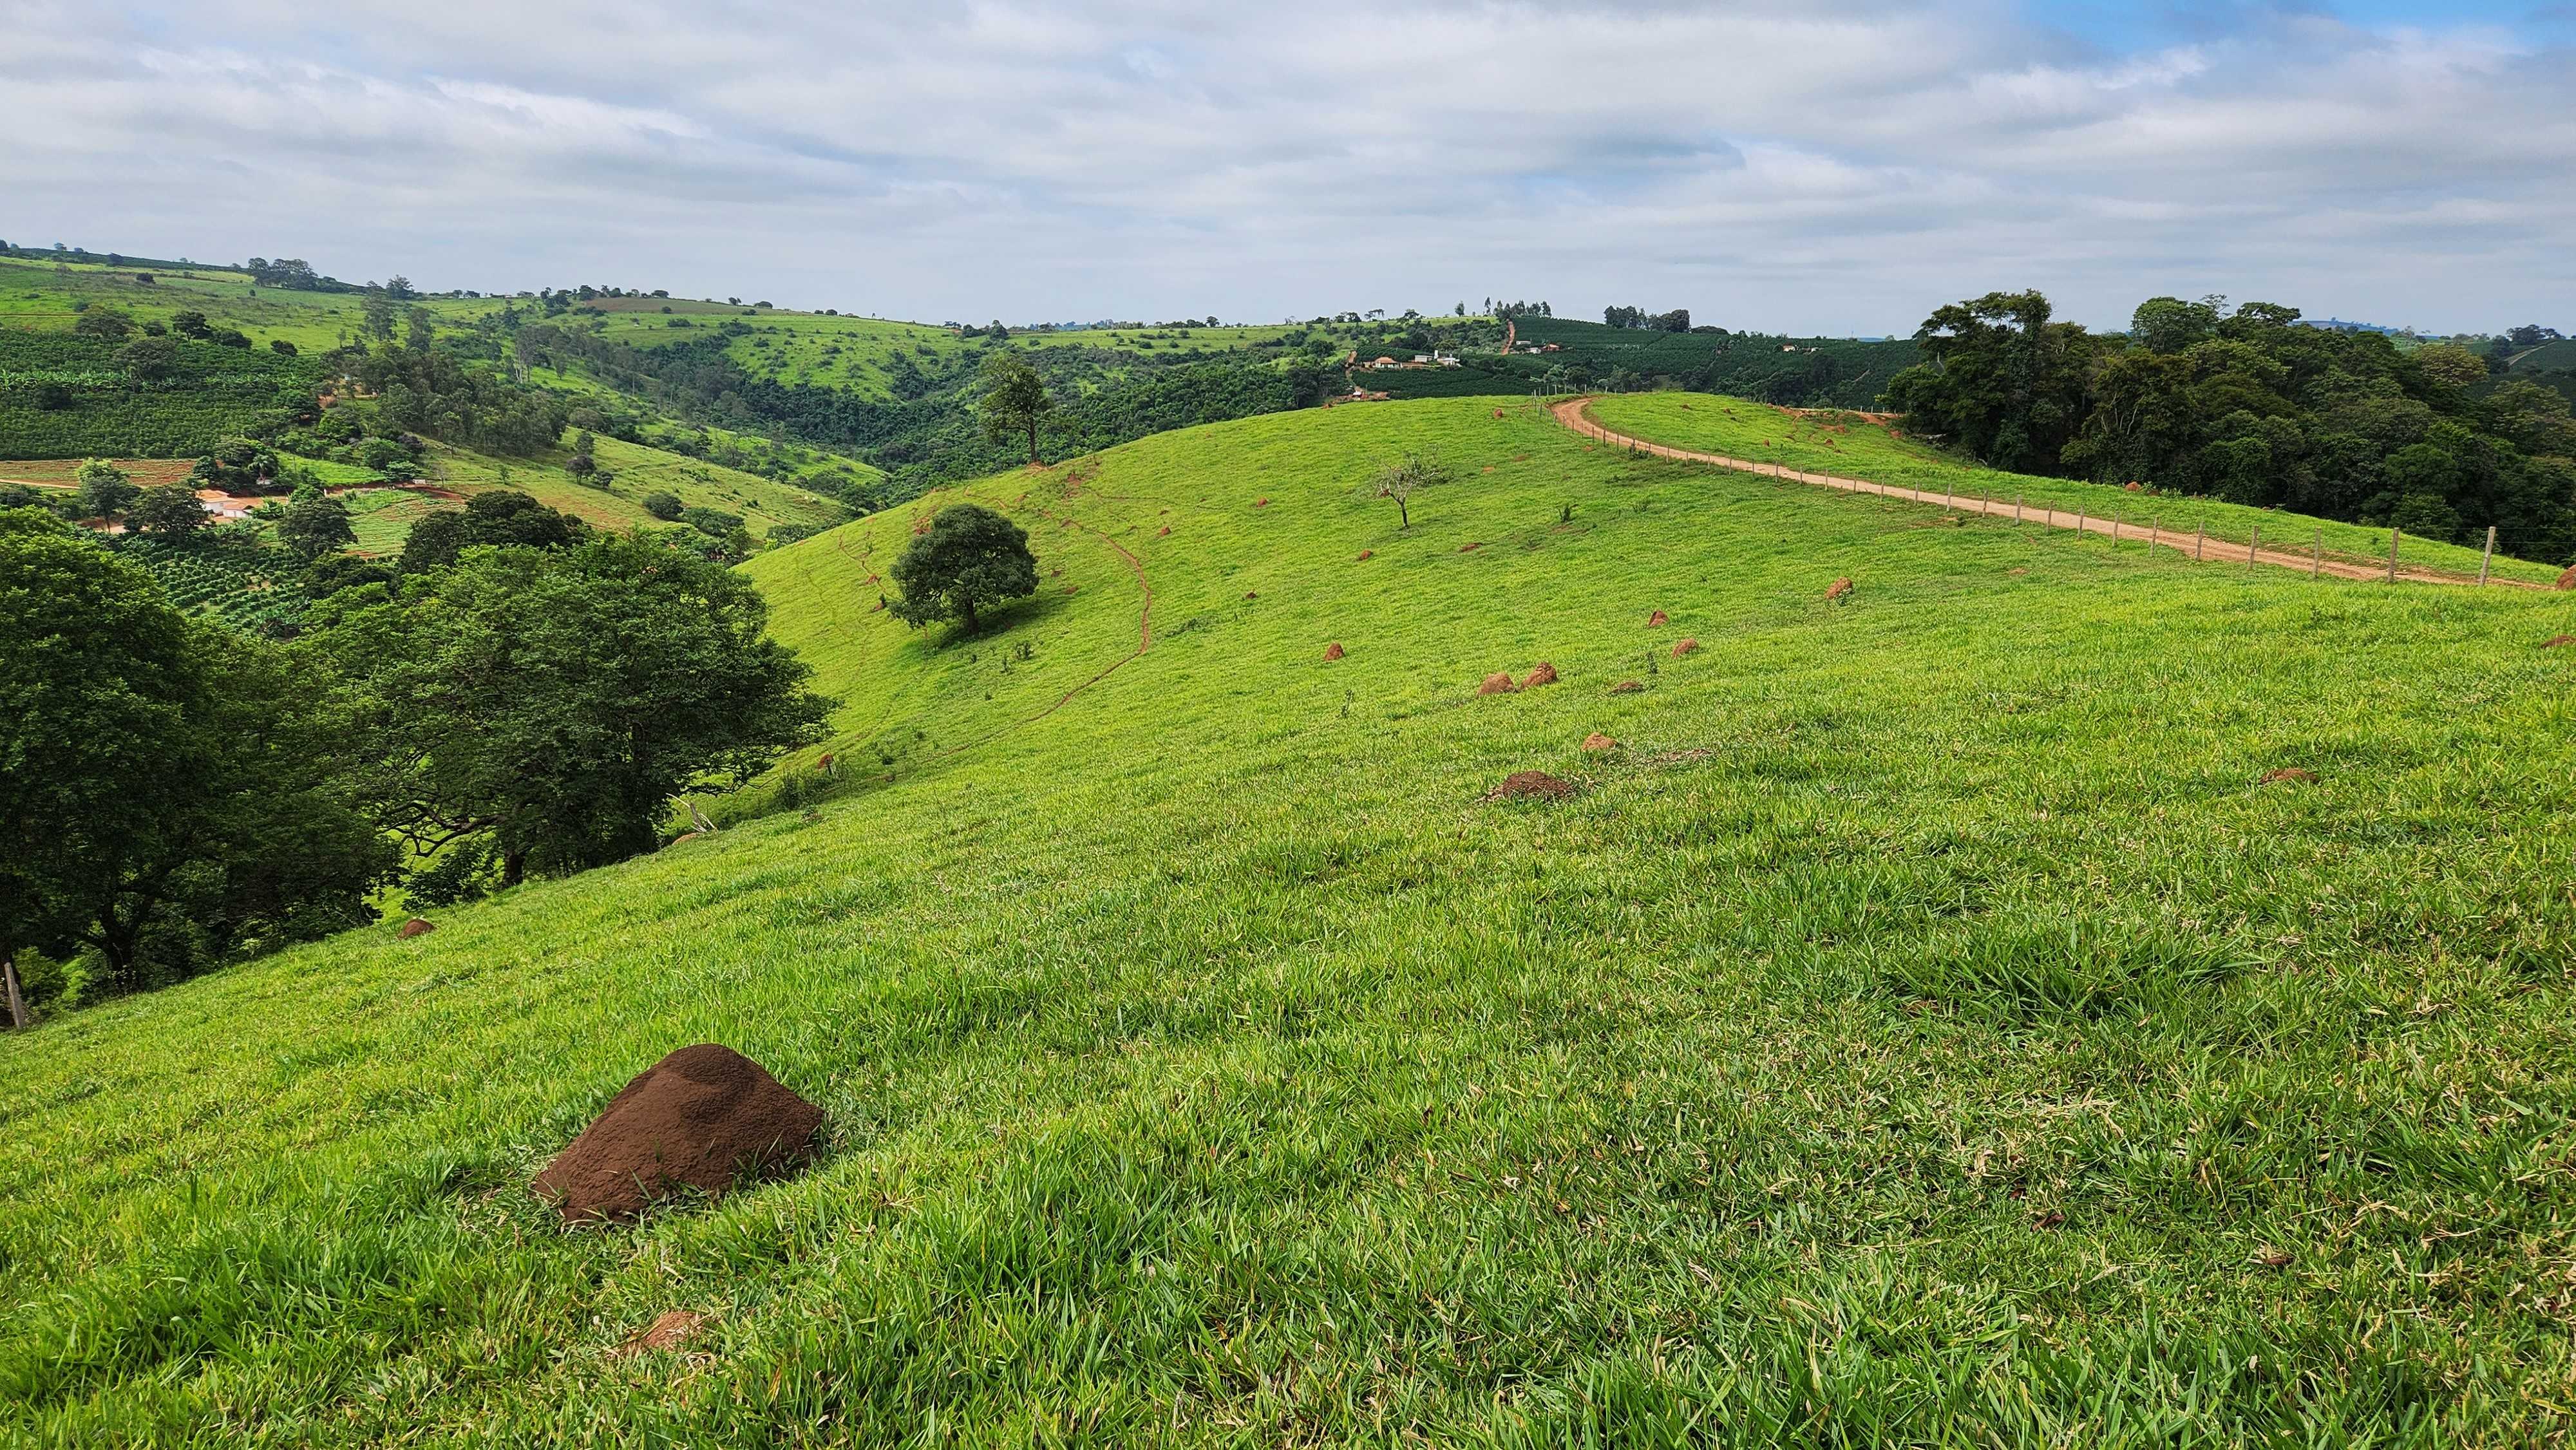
552	703
967	561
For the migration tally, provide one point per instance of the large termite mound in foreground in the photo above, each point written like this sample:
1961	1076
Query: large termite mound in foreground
705	1117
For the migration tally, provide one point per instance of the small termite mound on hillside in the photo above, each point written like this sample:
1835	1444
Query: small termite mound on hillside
417	927
1545	674
1333	651
2555	640
1656	620
1596	742
669	1330
704	1117
1628	687
1684	646
1838	589
2566	580
1497	683
2288	773
1366	555
1531	785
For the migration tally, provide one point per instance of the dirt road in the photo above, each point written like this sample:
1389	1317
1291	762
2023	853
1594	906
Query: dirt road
1573	414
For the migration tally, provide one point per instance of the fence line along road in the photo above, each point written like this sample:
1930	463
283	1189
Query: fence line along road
1574	414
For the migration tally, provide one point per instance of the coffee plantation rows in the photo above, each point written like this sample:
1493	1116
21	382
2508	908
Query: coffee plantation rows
231	577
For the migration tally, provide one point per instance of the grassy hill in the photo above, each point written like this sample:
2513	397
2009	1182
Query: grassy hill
1926	1026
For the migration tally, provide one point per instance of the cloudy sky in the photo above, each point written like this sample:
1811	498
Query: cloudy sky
1833	167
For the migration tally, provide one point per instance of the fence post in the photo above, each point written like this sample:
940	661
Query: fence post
2393	532
2155	532
2317	565
2200	540
2016	508
2251	545
2079	523
2488	557
2115	528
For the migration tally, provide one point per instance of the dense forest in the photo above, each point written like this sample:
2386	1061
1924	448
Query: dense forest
2249	405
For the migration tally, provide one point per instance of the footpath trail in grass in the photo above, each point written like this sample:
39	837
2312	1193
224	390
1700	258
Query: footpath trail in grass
1926	1026
2051	502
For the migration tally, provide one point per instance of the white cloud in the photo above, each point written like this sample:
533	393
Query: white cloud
1770	165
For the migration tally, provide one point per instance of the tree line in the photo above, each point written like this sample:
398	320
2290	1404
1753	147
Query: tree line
517	696
2248	405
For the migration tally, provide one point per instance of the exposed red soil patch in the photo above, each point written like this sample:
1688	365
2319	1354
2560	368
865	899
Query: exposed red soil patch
1333	651
704	1117
1628	687
1261	503
1248	594
1497	683
417	927
1531	785
1596	742
1656	620
1469	548
1167	529
1838	589
1545	674
1684	646
1365	555
2287	772
2555	640
671	1329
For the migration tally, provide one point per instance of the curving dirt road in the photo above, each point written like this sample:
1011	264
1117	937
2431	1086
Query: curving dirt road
1573	414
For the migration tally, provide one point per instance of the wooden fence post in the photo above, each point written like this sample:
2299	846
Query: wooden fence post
2317	565
2115	528
2200	540
2016	508
2489	556
2251	545
2392	554
2079	522
2155	531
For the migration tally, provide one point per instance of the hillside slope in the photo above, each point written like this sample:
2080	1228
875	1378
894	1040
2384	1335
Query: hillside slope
1927	1025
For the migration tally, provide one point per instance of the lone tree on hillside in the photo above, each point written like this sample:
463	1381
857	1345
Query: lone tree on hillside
1401	481
316	526
170	512
970	558
1015	399
105	489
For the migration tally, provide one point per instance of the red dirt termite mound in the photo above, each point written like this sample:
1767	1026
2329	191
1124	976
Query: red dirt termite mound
1248	594
2555	640
416	927
1498	412
1498	683
2287	772
704	1117
1333	651
1684	646
1167	528
1531	785
1545	674
1261	503
1469	548
2566	580
1838	589
1627	687
1596	741
1656	620
1368	553
671	1329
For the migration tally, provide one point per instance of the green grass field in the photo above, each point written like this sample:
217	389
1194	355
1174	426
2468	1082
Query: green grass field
1853	447
1924	1028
